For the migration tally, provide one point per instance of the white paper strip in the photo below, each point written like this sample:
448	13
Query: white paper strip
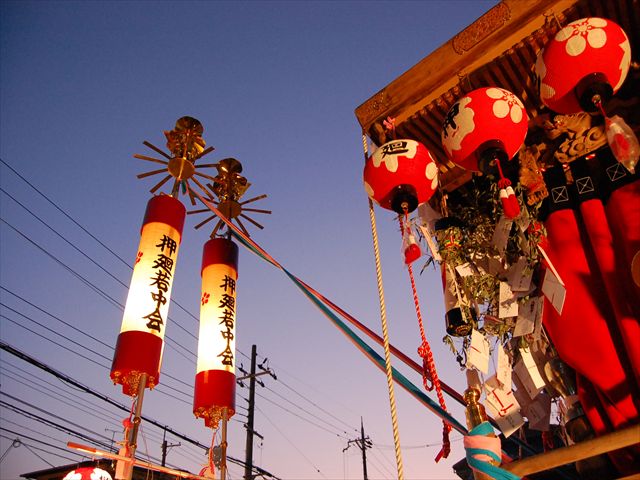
478	352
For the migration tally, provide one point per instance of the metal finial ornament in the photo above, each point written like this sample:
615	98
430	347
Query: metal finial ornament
186	145
228	187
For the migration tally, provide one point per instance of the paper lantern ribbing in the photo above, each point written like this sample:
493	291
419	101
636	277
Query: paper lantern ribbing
140	342
588	57
400	172
215	383
485	123
88	473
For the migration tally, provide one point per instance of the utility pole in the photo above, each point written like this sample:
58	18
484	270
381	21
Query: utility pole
166	446
362	443
248	462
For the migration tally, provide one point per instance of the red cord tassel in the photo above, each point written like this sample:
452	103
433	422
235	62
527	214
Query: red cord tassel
509	200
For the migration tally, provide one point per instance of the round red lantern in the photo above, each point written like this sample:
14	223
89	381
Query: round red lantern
400	175
88	473
215	383
486	124
588	57
141	339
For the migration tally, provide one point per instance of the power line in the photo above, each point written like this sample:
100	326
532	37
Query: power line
54	425
159	389
42	449
52	341
92	286
74	329
300	417
75	222
27	358
316	405
98	290
63	212
295	447
54	395
71	244
56	318
6	420
304	410
42	410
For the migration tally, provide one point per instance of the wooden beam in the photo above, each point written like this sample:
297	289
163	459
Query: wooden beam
579	451
493	33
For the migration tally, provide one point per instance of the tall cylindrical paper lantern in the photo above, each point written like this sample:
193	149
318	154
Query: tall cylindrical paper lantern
141	340
215	384
400	172
588	57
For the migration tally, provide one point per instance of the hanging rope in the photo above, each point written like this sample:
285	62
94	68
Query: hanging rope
385	332
429	373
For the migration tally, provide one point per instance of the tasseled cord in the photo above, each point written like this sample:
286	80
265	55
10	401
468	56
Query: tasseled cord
510	204
429	374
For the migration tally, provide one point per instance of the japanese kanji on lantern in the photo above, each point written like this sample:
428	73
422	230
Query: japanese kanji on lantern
215	382
400	172
140	342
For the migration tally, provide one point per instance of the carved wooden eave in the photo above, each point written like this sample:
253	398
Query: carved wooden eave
498	49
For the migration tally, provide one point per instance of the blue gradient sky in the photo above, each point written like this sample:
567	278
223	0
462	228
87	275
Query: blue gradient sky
275	85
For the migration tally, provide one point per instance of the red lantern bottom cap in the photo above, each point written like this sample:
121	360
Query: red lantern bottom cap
214	389
136	353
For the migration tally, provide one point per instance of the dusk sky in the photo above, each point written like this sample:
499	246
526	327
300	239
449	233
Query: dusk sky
275	85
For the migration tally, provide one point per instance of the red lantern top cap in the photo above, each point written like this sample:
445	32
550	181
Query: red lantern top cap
588	47
400	171
165	209
485	116
220	250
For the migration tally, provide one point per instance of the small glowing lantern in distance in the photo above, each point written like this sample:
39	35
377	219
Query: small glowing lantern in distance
485	124
140	343
215	383
589	57
401	173
88	473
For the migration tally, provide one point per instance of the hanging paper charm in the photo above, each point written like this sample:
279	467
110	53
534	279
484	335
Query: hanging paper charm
400	175
410	248
623	142
215	383
589	57
140	342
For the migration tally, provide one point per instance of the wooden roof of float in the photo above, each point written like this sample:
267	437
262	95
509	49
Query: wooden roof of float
498	49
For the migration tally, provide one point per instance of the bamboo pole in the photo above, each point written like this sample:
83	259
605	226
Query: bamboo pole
588	448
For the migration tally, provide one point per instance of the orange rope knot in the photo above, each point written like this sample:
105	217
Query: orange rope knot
446	443
429	373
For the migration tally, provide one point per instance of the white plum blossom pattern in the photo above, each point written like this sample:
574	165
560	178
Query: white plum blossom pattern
431	173
577	34
546	91
369	190
625	61
506	104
